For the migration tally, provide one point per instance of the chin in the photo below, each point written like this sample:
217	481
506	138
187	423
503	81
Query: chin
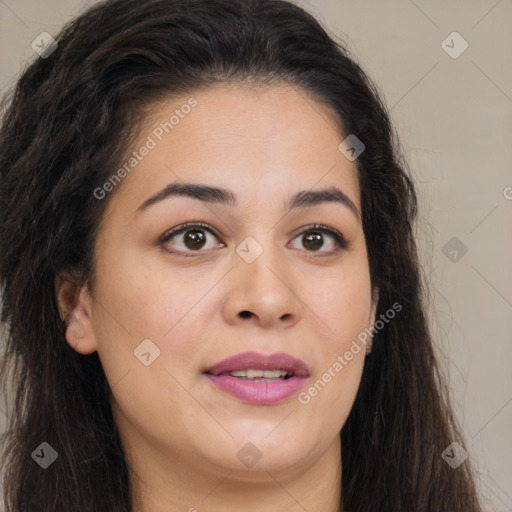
256	453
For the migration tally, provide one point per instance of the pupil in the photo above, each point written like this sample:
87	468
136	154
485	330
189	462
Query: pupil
314	240
196	239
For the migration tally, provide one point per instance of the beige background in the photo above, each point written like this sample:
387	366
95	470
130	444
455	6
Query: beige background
454	116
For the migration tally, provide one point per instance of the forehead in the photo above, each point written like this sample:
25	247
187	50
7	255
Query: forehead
253	141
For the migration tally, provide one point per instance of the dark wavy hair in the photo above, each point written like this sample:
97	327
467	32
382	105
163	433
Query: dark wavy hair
65	127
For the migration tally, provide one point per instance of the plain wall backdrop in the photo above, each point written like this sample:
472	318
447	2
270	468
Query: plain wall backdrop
452	106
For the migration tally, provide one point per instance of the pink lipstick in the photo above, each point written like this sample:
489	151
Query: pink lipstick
259	379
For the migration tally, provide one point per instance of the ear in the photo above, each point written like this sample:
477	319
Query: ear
74	304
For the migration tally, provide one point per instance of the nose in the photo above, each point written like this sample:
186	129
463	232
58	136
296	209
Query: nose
262	291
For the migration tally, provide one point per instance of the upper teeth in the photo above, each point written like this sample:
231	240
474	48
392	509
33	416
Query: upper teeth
254	374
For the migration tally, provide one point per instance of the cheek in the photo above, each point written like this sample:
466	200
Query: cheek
344	311
138	299
326	402
139	305
342	306
146	298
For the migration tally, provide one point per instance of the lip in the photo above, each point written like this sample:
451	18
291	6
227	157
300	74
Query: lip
259	393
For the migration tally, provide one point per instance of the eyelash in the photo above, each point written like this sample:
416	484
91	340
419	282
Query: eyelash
338	237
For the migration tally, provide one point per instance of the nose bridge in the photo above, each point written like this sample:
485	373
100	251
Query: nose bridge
253	227
260	253
263	279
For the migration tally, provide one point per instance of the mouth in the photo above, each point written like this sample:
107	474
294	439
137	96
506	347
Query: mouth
259	379
255	375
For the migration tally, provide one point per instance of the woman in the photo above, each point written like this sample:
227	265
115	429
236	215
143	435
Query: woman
210	276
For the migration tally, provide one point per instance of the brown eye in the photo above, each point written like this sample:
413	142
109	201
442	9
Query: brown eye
188	238
313	241
316	237
194	239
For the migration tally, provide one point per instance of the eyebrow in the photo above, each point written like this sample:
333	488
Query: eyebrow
211	194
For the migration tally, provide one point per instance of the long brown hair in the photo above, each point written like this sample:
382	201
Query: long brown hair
65	128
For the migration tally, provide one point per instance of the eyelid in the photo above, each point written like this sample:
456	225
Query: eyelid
184	227
340	240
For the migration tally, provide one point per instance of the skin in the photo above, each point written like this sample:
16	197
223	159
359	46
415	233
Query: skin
181	434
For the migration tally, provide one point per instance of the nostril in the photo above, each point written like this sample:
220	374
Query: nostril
245	314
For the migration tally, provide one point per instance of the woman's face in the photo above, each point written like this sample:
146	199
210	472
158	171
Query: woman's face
254	277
